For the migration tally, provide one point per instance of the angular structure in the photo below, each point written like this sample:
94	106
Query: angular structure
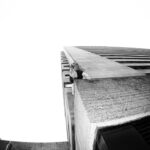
106	98
108	107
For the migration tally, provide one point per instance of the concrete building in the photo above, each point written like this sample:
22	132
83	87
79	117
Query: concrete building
106	98
108	106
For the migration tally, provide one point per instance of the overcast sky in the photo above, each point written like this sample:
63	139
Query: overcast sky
32	34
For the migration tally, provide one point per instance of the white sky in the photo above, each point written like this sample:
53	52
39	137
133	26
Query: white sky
32	34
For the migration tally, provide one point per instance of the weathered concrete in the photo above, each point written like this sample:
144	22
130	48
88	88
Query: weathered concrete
107	99
108	102
96	67
40	146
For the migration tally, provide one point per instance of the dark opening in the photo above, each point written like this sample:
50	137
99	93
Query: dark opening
148	58
67	75
141	129
140	67
123	62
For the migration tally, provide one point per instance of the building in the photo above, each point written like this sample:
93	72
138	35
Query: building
106	98
108	106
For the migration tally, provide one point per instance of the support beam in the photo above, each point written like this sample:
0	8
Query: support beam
95	67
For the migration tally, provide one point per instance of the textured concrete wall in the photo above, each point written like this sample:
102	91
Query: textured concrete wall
108	102
82	124
108	99
36	146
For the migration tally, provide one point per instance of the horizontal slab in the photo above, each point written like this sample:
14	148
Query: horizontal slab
132	60
116	50
39	146
137	64
123	55
95	66
144	70
128	57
